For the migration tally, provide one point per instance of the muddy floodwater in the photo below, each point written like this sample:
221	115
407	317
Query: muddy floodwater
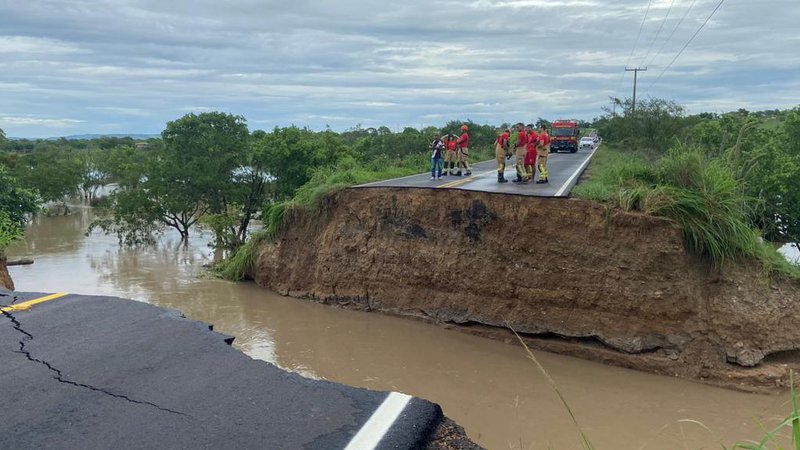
487	386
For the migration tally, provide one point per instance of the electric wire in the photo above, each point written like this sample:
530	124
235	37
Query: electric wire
635	43
658	33
638	35
685	46
669	38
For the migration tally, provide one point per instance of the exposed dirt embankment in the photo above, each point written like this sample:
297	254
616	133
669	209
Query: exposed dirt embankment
571	275
5	278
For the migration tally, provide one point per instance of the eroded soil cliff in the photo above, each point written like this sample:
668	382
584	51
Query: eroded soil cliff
5	278
570	275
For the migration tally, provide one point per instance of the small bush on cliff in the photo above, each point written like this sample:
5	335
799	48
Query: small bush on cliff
242	263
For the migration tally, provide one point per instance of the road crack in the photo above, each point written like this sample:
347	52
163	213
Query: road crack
58	376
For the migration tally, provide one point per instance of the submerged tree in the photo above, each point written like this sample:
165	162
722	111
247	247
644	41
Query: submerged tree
191	176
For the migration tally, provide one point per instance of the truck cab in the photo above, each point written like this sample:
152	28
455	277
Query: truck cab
564	135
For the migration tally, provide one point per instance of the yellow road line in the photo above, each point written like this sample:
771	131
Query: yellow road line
24	306
465	180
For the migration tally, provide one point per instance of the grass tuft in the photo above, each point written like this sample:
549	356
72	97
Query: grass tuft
701	195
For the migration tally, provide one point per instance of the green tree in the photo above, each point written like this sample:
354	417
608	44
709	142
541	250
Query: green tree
248	194
179	183
53	172
289	155
16	205
653	127
94	174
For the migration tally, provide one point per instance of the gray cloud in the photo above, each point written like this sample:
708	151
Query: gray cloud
112	66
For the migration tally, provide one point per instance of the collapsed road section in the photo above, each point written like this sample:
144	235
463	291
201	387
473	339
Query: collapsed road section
102	372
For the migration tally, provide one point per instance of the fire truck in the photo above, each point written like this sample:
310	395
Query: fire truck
564	135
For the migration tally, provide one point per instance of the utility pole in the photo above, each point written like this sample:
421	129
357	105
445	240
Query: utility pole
635	75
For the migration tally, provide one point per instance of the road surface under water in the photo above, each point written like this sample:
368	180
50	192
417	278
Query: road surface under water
489	387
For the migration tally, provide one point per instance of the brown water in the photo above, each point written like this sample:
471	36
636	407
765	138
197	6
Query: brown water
488	387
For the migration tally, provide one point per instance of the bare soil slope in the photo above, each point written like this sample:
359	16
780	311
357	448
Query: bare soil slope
5	278
570	275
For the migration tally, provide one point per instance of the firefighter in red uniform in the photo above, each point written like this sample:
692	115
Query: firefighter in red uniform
463	151
501	152
450	154
544	149
520	148
530	155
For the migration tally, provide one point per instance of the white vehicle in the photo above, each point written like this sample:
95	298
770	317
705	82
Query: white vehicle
586	143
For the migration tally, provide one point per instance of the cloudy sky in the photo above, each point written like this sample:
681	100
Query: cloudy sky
129	66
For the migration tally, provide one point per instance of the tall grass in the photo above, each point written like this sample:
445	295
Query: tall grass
241	264
701	195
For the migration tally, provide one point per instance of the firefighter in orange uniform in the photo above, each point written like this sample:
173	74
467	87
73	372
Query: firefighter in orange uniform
531	154
544	149
450	154
463	151
520	148
501	152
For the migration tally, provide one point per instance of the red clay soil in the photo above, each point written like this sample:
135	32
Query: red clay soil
572	276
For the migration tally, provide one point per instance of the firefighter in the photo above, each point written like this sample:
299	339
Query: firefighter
530	155
450	154
544	149
463	151
520	148
501	153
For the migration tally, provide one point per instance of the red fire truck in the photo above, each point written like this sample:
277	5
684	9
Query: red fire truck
564	136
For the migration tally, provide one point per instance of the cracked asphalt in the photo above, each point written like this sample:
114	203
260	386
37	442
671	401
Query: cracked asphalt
100	372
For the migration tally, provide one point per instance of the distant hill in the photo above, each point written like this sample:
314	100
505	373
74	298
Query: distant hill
97	136
76	137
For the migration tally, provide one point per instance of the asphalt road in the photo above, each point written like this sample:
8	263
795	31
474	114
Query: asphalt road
564	169
101	372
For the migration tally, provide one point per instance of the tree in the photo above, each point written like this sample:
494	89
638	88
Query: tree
53	172
654	125
94	173
290	154
189	177
248	194
16	205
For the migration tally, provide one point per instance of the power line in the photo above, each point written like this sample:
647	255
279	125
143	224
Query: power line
686	45
658	33
669	38
635	43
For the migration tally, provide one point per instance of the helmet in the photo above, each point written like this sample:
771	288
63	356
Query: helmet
464	128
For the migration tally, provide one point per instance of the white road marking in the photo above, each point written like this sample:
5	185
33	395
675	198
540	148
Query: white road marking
379	423
393	179
578	171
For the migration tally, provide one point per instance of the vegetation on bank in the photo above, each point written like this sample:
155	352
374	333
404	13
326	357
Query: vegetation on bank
727	179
